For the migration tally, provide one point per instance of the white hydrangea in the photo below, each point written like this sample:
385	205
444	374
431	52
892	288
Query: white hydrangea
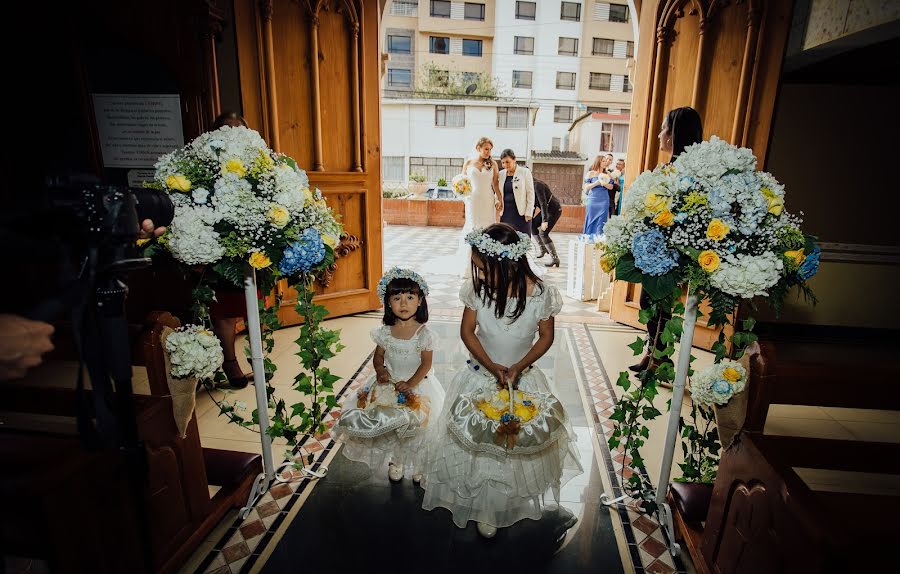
743	190
717	383
712	159
192	240
747	276
194	352
620	230
656	182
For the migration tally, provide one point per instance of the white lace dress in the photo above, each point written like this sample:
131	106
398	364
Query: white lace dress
497	486
386	429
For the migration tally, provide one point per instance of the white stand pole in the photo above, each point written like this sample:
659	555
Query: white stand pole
263	481
665	471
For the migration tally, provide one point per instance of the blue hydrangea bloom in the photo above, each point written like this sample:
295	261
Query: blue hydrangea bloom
722	387
810	265
303	254
401	398
651	255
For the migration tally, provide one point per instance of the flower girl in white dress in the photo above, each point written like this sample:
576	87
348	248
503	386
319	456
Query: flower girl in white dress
387	420
494	456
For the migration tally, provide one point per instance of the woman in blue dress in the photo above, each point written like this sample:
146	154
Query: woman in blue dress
597	185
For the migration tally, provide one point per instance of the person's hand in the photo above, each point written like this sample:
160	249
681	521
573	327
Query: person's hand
22	343
513	374
499	371
149	230
403	386
544	226
383	377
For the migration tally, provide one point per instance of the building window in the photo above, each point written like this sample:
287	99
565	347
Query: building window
450	116
512	118
401	8
399	44
435	168
526	10
562	114
440	9
469	78
555	143
600	81
629	50
568	46
440	78
471	47
392	168
565	80
605	137
524	45
399	78
625	111
597	110
521	79
626	84
474	11
618	13
603	47
439	44
570	12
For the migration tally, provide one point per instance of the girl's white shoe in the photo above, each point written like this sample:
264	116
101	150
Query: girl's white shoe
486	530
395	472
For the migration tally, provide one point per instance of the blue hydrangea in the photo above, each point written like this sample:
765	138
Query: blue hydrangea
722	387
303	254
401	398
810	265
651	254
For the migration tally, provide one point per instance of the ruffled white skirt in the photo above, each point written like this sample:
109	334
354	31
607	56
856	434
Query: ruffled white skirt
385	432
497	486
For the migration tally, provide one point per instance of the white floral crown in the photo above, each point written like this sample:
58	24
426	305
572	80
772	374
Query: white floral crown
400	273
491	247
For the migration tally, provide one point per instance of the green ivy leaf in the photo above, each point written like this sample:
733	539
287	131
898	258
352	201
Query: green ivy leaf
623	381
626	271
638	346
658	287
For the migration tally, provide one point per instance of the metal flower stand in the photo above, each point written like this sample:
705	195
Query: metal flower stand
672	434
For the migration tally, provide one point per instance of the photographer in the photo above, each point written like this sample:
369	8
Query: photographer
23	342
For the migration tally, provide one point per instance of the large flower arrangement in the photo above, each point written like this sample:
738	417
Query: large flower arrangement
711	222
238	205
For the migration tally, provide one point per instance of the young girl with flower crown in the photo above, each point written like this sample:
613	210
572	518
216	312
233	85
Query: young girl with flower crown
503	441
387	420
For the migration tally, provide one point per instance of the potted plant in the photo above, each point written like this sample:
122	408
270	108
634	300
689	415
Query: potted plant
417	184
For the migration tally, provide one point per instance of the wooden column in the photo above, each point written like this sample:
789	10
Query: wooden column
650	154
698	69
213	33
266	10
318	165
357	145
748	63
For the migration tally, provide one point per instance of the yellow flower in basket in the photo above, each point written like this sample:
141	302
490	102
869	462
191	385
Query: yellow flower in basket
731	375
796	256
717	230
178	182
259	260
709	260
664	218
234	166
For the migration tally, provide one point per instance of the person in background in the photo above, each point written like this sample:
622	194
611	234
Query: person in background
596	186
548	213
620	167
230	304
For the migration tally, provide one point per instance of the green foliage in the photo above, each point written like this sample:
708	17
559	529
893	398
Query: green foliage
417	178
442	182
626	271
436	83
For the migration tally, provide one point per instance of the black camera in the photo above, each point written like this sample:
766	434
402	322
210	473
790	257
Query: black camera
99	214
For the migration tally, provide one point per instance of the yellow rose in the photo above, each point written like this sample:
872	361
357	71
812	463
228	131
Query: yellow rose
731	375
717	230
307	194
142	242
709	261
776	204
607	263
329	240
235	166
178	182
655	203
797	256
259	260
279	215
664	218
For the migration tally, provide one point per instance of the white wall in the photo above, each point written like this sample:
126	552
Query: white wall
408	130
546	30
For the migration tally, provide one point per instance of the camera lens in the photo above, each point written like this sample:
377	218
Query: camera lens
155	205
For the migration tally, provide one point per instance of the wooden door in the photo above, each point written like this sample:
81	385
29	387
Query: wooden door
309	72
722	58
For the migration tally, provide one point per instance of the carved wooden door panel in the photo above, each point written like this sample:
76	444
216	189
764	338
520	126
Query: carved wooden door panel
309	72
722	58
